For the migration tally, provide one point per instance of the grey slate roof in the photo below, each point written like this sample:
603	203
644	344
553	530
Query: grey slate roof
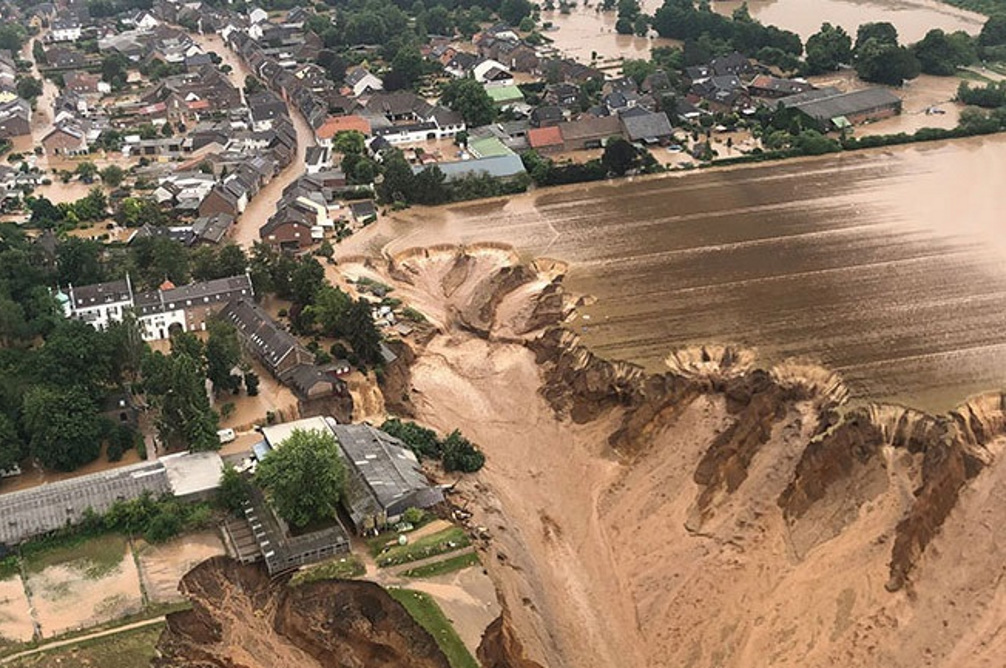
270	343
652	126
827	107
497	166
101	293
38	511
388	471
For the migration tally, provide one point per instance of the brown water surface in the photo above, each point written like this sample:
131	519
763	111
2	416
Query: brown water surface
912	18
887	266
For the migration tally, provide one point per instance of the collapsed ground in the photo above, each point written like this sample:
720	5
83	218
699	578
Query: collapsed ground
714	515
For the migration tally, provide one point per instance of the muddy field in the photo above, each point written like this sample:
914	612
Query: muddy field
885	266
15	615
163	566
76	588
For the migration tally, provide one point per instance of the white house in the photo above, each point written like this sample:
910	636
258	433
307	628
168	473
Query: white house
362	81
258	15
159	311
492	73
65	30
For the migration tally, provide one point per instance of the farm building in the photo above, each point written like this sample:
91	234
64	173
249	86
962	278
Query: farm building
831	109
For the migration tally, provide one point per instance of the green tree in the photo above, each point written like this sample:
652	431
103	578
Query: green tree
231	261
349	142
305	280
79	261
139	211
638	70
29	88
304	477
362	334
514	11
406	69
828	48
12	36
994	31
329	310
176	386
63	427
881	62
12	448
112	176
115	70
620	156
223	352
86	171
470	99
234	489
941	54
883	32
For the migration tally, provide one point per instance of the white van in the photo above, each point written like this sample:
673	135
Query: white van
226	435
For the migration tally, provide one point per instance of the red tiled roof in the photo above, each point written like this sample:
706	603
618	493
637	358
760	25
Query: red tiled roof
337	124
538	137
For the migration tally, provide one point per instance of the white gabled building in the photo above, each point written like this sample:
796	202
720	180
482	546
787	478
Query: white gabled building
159	312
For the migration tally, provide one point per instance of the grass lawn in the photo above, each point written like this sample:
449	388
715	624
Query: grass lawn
129	649
448	565
441	542
340	568
96	556
429	615
969	75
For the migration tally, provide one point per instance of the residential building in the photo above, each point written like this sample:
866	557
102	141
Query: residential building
65	30
361	81
160	311
647	127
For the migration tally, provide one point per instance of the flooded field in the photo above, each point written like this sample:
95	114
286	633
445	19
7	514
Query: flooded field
886	266
162	566
585	30
913	18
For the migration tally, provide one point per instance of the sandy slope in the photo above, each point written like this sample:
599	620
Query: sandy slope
606	561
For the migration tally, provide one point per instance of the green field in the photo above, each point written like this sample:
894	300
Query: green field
129	649
448	565
96	556
441	542
340	568
429	615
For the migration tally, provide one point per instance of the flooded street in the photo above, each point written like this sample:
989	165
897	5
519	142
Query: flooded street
263	205
886	266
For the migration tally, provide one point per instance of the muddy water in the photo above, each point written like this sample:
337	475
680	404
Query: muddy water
886	266
585	30
913	18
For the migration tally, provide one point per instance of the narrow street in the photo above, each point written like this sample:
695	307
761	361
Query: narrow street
245	231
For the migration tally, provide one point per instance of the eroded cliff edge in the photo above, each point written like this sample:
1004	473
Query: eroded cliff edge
781	473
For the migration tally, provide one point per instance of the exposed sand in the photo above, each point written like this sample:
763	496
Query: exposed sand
468	598
162	566
66	599
594	559
15	612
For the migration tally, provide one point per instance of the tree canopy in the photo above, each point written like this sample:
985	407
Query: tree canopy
304	477
470	99
828	48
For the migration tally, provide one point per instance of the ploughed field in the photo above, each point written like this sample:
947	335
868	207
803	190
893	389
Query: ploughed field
886	266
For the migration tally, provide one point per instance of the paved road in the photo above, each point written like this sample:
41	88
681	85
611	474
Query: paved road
90	636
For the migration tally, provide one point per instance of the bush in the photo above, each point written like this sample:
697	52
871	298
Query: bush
413	515
164	526
459	454
114	452
251	383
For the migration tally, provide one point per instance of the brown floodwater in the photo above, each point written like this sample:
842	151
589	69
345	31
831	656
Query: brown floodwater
585	30
912	18
886	266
